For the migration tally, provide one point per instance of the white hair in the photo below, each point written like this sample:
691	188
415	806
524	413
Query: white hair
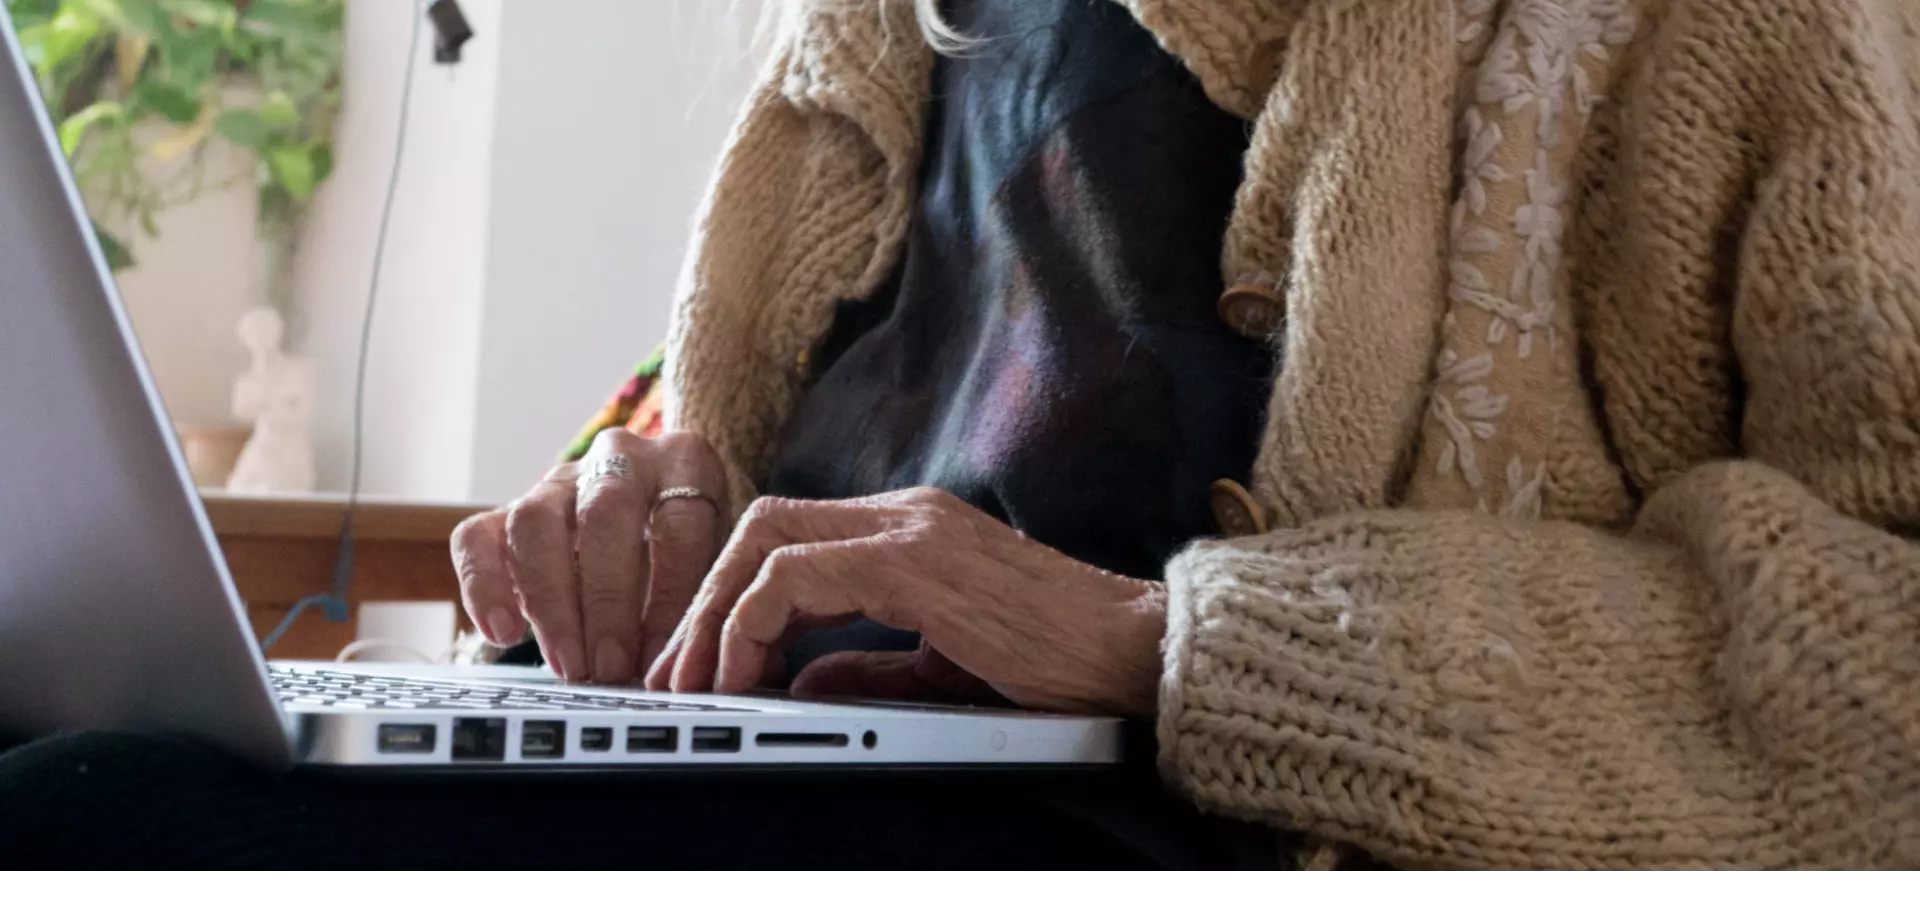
779	17
941	36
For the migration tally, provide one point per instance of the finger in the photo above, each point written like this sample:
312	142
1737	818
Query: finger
756	527
920	676
776	663
872	675
610	515
540	555
812	581
684	536
770	528
770	524
486	584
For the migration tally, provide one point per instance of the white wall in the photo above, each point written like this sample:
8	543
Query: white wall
543	208
610	116
190	285
544	205
424	353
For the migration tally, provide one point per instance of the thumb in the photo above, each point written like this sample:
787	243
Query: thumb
919	676
872	675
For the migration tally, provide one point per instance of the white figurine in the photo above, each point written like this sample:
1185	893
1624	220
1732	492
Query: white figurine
276	395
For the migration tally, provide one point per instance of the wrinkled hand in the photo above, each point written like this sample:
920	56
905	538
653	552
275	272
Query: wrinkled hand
1038	627
592	565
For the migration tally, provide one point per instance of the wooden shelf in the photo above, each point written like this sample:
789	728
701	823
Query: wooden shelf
319	515
283	548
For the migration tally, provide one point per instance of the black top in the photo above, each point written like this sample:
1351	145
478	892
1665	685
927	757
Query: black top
1048	348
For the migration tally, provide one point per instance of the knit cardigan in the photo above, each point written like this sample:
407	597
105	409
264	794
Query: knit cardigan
1592	467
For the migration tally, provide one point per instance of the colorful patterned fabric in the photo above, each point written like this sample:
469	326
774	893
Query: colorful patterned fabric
638	407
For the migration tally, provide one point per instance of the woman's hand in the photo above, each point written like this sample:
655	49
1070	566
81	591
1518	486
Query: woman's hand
587	559
1042	629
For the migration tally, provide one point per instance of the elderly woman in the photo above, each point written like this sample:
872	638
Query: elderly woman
1475	433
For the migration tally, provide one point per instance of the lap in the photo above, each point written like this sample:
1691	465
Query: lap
111	799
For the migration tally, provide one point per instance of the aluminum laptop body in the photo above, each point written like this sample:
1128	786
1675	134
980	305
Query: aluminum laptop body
117	611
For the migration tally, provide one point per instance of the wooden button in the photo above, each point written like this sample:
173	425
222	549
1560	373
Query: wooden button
1252	310
1236	512
1264	65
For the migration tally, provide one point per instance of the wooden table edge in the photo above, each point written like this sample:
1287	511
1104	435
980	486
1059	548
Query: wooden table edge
320	516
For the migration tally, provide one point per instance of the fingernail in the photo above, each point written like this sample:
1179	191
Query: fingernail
501	626
610	662
567	660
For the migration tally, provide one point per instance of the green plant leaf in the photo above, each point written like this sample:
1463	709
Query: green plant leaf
27	13
33	45
67	34
274	202
74	129
118	257
82	53
243	127
322	162
280	18
204	13
138	16
191	56
292	168
279	111
178	106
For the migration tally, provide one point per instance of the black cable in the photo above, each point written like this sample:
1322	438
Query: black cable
334	602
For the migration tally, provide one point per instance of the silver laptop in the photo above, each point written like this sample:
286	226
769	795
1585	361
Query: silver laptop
116	609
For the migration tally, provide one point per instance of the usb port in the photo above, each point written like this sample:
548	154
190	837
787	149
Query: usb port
598	740
543	740
400	738
716	740
652	739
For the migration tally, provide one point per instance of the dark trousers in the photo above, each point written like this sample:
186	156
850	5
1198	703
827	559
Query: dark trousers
109	800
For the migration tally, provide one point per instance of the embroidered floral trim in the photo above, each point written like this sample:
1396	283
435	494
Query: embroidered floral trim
1531	72
1470	413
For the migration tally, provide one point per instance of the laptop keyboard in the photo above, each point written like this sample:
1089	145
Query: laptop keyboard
302	689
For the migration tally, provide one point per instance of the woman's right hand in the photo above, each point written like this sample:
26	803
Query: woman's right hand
601	573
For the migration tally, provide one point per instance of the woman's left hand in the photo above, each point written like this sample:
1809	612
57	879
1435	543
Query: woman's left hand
1042	629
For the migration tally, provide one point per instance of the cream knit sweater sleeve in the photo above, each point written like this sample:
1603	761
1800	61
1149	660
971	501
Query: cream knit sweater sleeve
1735	684
1734	680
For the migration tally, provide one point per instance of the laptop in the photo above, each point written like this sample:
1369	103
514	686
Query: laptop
117	611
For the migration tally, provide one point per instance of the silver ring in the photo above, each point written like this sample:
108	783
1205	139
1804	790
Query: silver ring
684	493
608	467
